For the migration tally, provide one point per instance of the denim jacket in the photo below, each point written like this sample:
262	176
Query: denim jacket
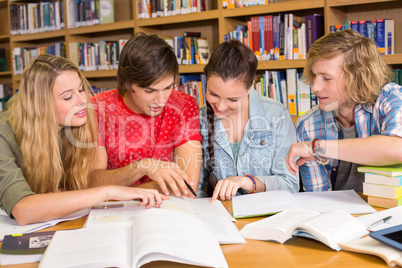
266	140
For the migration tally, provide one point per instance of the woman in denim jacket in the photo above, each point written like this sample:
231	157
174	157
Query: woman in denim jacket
245	136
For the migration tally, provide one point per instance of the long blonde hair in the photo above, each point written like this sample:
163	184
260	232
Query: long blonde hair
364	69
51	161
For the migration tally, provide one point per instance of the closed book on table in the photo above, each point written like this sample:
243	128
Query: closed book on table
395	170
384	202
382	190
383	180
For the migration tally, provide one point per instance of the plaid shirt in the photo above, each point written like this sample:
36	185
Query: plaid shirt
384	118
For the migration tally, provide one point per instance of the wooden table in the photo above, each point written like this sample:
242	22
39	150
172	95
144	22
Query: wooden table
297	252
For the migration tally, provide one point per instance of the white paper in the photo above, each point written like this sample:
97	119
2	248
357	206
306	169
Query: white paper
263	203
370	219
10	226
346	200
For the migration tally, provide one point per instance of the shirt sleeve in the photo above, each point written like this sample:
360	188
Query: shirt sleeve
13	185
391	114
189	123
314	176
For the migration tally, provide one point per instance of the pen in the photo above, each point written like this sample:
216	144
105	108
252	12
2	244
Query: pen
381	221
191	189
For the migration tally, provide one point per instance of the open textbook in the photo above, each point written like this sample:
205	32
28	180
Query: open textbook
156	235
368	245
329	228
10	226
271	202
214	215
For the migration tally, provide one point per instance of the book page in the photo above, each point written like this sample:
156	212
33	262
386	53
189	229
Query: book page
333	227
10	226
372	246
374	221
346	200
98	246
277	227
263	203
224	229
177	236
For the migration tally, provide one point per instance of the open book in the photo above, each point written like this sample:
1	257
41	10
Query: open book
271	202
156	235
368	245
329	228
215	215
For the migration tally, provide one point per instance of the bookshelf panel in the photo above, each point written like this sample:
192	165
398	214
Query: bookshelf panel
100	74
38	36
290	6
194	68
334	3
371	11
208	29
123	10
101	28
5	24
280	64
200	16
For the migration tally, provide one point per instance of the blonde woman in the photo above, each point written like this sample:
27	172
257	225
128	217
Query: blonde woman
358	119
47	141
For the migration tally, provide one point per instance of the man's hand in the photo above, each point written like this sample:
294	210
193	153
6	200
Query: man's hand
166	173
302	150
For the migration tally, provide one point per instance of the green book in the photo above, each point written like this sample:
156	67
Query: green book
395	170
106	11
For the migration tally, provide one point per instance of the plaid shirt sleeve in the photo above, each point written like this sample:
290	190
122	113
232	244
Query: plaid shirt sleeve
316	177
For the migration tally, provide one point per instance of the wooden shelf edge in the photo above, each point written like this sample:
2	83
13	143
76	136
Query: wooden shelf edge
205	15
7	73
273	8
38	36
100	73
393	59
338	3
4	38
119	25
281	64
294	118
194	68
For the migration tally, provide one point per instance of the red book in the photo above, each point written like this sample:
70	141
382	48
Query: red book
268	39
255	33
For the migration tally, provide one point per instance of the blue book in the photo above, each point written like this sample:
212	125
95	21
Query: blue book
261	30
363	28
380	35
383	180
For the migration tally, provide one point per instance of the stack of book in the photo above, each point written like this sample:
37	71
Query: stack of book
383	185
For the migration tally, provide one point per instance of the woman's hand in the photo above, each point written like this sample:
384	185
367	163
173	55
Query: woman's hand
227	188
149	197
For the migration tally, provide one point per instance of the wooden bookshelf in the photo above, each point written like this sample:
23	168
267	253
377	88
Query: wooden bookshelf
213	24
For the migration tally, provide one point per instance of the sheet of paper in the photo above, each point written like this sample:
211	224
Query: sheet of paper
263	203
346	200
10	226
372	219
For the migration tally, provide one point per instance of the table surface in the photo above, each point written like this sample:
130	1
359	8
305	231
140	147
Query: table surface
296	252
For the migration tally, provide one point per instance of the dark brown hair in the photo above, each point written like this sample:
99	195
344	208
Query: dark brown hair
145	60
231	60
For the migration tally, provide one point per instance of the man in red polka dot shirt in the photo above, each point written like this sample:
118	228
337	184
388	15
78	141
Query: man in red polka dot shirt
149	133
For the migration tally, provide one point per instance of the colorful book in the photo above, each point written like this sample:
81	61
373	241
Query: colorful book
384	202
24	248
314	29
383	180
395	170
382	190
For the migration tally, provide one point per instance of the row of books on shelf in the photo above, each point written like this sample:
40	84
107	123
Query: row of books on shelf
162	8
280	37
383	185
228	4
287	88
89	12
380	31
190	48
6	91
22	55
27	18
91	56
